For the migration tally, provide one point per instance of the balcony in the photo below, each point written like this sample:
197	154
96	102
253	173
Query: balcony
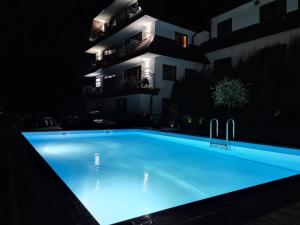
119	86
280	24
156	45
119	52
122	19
91	92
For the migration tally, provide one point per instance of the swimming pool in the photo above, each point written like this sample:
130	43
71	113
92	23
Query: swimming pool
120	175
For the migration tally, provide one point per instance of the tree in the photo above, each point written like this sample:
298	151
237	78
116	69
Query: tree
230	93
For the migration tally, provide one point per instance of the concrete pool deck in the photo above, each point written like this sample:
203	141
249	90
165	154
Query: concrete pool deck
30	193
275	136
33	194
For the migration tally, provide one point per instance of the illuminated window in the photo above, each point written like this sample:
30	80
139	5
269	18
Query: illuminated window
169	72
109	51
181	39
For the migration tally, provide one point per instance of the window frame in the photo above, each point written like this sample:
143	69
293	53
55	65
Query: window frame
169	76
190	76
277	10
179	39
223	33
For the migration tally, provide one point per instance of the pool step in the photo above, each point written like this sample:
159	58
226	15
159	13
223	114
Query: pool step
219	145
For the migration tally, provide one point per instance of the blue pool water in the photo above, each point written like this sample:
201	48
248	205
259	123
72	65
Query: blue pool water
119	175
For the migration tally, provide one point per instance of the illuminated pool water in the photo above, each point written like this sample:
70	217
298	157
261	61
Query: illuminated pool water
119	175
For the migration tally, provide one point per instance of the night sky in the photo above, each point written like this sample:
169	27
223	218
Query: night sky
43	49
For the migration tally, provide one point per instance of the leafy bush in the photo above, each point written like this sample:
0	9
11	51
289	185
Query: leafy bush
230	93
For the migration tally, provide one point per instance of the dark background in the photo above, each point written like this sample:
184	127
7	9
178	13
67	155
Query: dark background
43	44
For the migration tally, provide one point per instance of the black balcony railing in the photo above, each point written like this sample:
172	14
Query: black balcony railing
118	53
157	45
117	86
91	92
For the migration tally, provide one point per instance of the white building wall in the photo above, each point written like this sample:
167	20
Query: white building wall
168	30
245	15
292	5
145	101
140	103
133	104
149	29
244	50
201	37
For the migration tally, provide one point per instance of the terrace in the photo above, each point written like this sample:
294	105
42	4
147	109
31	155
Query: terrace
259	30
118	85
152	44
103	27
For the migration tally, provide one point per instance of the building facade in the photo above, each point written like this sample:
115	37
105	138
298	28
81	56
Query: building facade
139	56
244	29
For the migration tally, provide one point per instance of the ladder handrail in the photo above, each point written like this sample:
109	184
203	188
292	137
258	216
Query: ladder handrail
227	130
210	128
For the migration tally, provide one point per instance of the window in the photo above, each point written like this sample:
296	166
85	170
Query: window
273	10
222	68
181	39
109	52
190	74
225	28
169	72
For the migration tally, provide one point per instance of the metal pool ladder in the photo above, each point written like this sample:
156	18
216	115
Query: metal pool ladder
227	131
221	145
210	130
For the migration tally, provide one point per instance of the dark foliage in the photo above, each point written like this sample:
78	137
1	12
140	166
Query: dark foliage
192	97
272	76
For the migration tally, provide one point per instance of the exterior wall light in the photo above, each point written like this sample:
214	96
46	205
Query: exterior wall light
98	82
